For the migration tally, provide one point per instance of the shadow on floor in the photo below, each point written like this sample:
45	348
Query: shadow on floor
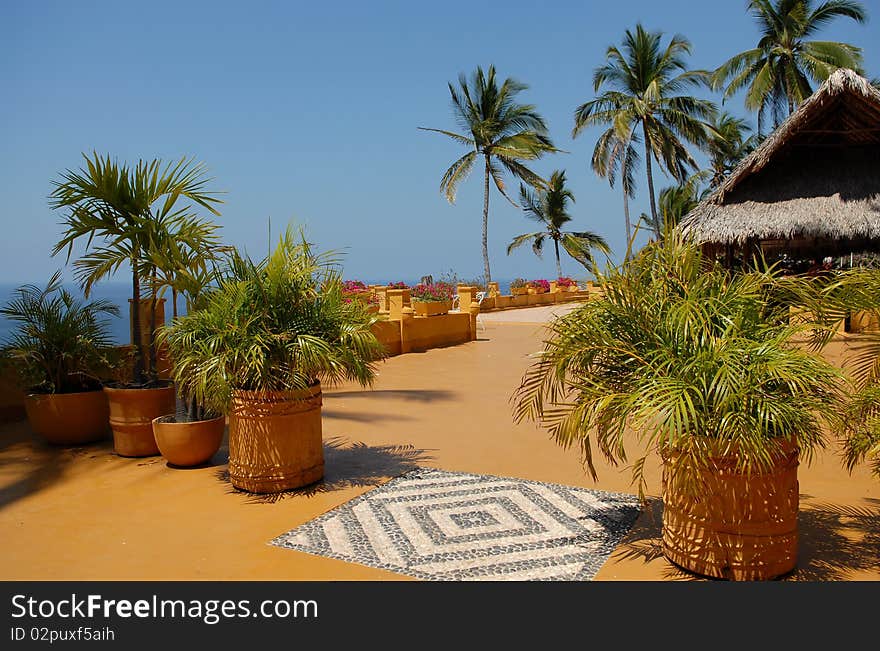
643	543
363	417
348	464
835	540
415	395
40	464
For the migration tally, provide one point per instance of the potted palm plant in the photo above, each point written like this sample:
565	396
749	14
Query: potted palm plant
128	210
260	348
702	365
194	432
59	348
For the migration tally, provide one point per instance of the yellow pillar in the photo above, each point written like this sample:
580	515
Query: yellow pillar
466	296
493	289
474	311
406	316
397	300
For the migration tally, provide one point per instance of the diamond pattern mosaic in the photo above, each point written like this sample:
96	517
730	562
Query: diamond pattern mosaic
453	526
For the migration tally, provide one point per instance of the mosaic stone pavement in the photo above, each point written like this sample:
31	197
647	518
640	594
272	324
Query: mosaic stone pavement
453	526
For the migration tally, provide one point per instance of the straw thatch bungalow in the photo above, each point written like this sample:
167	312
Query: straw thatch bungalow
811	189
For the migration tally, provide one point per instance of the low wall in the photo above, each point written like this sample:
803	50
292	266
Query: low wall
11	397
421	333
388	334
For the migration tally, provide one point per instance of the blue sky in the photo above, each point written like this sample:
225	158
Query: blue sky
308	112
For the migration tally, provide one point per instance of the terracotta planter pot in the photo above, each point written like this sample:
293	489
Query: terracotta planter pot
131	417
275	441
741	527
69	418
188	444
431	308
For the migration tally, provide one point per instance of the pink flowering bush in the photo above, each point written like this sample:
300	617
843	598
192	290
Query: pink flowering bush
398	285
541	284
355	290
353	286
433	293
565	281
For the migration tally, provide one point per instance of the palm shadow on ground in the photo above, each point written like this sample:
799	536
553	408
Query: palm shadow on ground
36	463
348	464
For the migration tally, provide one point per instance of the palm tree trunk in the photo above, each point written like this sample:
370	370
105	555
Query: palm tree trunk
153	355
626	220
650	179
486	272
136	322
558	265
173	303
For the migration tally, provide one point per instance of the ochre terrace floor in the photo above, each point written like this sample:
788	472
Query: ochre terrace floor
86	513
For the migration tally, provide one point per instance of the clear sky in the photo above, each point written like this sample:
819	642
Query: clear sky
309	112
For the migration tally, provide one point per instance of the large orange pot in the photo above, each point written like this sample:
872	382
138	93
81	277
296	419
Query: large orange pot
131	417
188	444
68	418
740	527
275	440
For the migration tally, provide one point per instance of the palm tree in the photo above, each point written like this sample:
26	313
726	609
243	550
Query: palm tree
185	254
778	71
548	207
675	202
125	207
612	156
501	130
727	146
646	81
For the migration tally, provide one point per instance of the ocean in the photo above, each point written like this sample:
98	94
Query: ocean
119	293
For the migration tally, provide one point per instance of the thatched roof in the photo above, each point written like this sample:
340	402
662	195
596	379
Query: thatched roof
817	175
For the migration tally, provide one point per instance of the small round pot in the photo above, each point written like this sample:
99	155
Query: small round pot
188	444
68	418
131	417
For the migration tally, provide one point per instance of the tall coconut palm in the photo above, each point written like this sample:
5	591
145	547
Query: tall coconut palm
728	144
778	71
124	207
500	130
612	156
549	207
645	82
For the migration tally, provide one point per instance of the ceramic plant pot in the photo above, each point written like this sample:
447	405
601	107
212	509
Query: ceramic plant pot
69	418
132	412
275	441
740	527
188	444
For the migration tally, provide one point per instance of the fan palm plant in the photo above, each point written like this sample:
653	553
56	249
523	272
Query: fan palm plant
264	340
61	343
704	368
125	207
549	207
501	130
646	82
60	349
854	291
777	73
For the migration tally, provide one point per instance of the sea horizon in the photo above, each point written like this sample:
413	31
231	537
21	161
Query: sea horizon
119	293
